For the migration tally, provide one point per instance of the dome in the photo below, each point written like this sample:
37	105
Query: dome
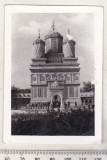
39	46
69	46
69	37
53	35
38	41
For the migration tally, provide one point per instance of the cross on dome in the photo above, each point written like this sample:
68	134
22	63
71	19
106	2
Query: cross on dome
53	25
39	33
68	31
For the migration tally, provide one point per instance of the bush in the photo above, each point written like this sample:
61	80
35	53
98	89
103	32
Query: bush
76	123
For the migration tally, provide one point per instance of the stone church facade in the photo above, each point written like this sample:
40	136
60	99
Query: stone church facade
55	77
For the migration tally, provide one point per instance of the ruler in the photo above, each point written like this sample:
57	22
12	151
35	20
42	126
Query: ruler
52	155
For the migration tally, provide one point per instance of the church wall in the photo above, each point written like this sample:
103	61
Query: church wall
67	77
40	91
72	95
40	94
69	86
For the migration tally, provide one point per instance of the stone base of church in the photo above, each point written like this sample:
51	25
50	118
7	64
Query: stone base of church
45	105
73	102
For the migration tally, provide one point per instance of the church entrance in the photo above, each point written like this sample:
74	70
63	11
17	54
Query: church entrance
56	102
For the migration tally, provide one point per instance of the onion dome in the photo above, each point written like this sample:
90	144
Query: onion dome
38	40
53	33
39	46
69	37
54	41
69	46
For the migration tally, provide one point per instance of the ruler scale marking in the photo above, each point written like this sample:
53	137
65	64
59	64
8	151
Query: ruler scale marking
52	155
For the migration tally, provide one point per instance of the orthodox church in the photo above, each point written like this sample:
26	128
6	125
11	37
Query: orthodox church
55	77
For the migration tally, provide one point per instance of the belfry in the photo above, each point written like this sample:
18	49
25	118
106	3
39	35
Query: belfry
55	77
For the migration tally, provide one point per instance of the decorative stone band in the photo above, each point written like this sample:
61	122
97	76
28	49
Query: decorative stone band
54	69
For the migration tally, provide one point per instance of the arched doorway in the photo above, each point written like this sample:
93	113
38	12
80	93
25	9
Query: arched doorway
56	101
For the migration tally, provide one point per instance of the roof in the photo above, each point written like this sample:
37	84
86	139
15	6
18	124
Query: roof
87	94
22	95
53	34
38	41
69	38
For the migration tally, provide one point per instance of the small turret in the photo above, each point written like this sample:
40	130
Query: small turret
39	45
69	46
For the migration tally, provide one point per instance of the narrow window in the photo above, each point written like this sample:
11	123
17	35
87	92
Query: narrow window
76	91
54	44
66	92
40	92
34	92
45	91
71	92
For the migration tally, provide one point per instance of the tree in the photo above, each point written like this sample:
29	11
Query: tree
87	87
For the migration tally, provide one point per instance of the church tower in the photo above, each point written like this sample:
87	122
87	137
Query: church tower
54	46
39	46
54	41
69	46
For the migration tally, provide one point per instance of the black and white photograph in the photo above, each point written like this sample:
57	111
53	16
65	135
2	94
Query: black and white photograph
54	72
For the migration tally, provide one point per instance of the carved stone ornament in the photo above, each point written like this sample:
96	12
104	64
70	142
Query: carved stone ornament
34	78
55	84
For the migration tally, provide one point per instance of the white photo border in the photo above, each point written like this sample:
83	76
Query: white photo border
7	137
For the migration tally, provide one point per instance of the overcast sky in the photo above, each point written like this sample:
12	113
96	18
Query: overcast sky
25	28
